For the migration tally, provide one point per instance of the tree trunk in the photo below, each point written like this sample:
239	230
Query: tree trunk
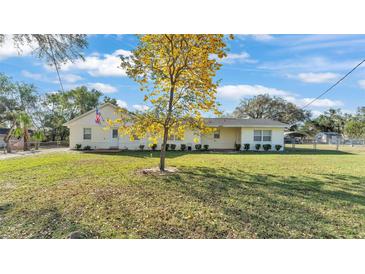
7	138
26	139
163	149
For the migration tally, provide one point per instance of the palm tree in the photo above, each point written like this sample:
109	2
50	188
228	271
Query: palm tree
38	136
23	124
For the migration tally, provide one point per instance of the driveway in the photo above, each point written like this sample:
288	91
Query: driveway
31	152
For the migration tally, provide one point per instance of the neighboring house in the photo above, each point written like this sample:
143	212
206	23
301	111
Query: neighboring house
3	132
328	137
230	131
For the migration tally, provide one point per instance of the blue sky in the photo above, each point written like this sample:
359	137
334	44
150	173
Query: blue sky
296	67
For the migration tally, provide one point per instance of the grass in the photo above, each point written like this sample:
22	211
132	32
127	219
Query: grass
296	194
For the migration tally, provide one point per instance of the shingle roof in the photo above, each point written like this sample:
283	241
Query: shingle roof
232	122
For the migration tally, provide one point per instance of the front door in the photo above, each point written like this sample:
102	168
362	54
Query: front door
114	142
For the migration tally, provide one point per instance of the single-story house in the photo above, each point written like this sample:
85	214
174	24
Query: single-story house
328	137
84	130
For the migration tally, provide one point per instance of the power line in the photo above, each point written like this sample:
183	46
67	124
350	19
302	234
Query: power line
335	84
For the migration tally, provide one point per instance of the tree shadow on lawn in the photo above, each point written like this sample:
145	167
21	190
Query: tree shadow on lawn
43	223
273	206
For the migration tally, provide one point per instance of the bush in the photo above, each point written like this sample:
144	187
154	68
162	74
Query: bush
198	147
141	147
87	147
237	147
278	147
206	147
183	147
258	146
189	148
78	146
173	146
153	147
167	147
266	147
246	147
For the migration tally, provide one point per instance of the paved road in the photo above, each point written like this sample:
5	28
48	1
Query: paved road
30	153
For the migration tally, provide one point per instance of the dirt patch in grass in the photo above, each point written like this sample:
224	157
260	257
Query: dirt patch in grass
157	171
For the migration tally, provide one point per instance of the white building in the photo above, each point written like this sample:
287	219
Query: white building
229	131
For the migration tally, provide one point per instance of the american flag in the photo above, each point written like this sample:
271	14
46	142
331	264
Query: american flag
98	117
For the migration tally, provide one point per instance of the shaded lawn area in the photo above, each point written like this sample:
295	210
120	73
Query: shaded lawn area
215	195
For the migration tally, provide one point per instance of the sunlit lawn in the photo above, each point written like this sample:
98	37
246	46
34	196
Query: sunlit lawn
300	194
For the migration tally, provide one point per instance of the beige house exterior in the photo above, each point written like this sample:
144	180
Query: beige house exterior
229	131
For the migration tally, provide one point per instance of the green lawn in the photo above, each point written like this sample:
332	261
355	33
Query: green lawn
301	194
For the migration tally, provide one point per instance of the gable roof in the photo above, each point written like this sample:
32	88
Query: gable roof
210	122
88	112
237	122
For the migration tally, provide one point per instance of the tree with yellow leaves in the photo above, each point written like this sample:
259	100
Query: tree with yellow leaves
176	73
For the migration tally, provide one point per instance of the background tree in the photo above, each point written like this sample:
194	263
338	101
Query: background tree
54	48
16	99
176	73
332	120
61	107
113	101
23	123
267	107
355	128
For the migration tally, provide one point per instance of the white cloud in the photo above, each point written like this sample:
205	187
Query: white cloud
309	64
99	65
66	78
311	77
141	107
263	37
105	88
235	92
34	76
361	84
71	78
122	104
316	113
243	57
326	103
7	49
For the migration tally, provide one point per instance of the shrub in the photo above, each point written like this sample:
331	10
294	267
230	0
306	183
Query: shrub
141	147
206	147
87	147
198	146
153	147
189	148
266	147
173	146
278	147
183	147
78	146
246	147
167	147
237	147
258	146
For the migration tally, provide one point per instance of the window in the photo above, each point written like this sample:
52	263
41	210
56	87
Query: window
87	133
266	135
115	133
262	135
174	137
257	135
217	134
